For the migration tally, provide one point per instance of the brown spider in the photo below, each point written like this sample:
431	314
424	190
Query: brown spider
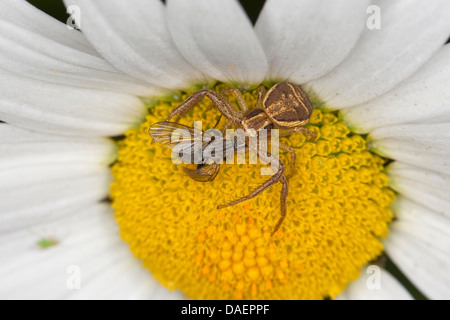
285	106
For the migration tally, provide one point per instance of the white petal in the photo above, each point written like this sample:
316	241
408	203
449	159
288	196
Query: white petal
42	176
217	37
52	108
25	15
424	98
422	223
411	32
306	39
367	287
37	46
423	146
428	188
50	188
414	132
133	36
419	244
137	284
20	148
89	242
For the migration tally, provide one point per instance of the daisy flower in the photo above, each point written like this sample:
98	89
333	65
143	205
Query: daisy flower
89	208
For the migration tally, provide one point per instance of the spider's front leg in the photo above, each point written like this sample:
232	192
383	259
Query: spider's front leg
219	101
283	197
283	180
277	177
293	163
274	179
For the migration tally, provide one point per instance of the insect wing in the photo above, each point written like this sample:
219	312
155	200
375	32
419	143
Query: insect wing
171	134
217	148
184	140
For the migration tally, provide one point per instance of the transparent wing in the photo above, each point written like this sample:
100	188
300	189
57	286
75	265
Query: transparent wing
217	149
184	140
171	134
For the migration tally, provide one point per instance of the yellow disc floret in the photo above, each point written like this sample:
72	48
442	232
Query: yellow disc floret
337	210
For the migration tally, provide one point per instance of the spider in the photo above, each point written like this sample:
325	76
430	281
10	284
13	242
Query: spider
285	106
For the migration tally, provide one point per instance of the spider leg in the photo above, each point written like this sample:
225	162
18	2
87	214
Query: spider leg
283	197
287	132
262	91
278	177
240	98
227	126
267	184
218	121
220	102
293	163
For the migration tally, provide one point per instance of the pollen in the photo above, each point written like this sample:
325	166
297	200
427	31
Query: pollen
338	209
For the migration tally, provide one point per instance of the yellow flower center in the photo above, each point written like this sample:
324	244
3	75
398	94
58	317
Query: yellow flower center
337	210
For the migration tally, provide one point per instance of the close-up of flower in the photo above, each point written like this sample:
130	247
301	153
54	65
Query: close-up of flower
92	208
